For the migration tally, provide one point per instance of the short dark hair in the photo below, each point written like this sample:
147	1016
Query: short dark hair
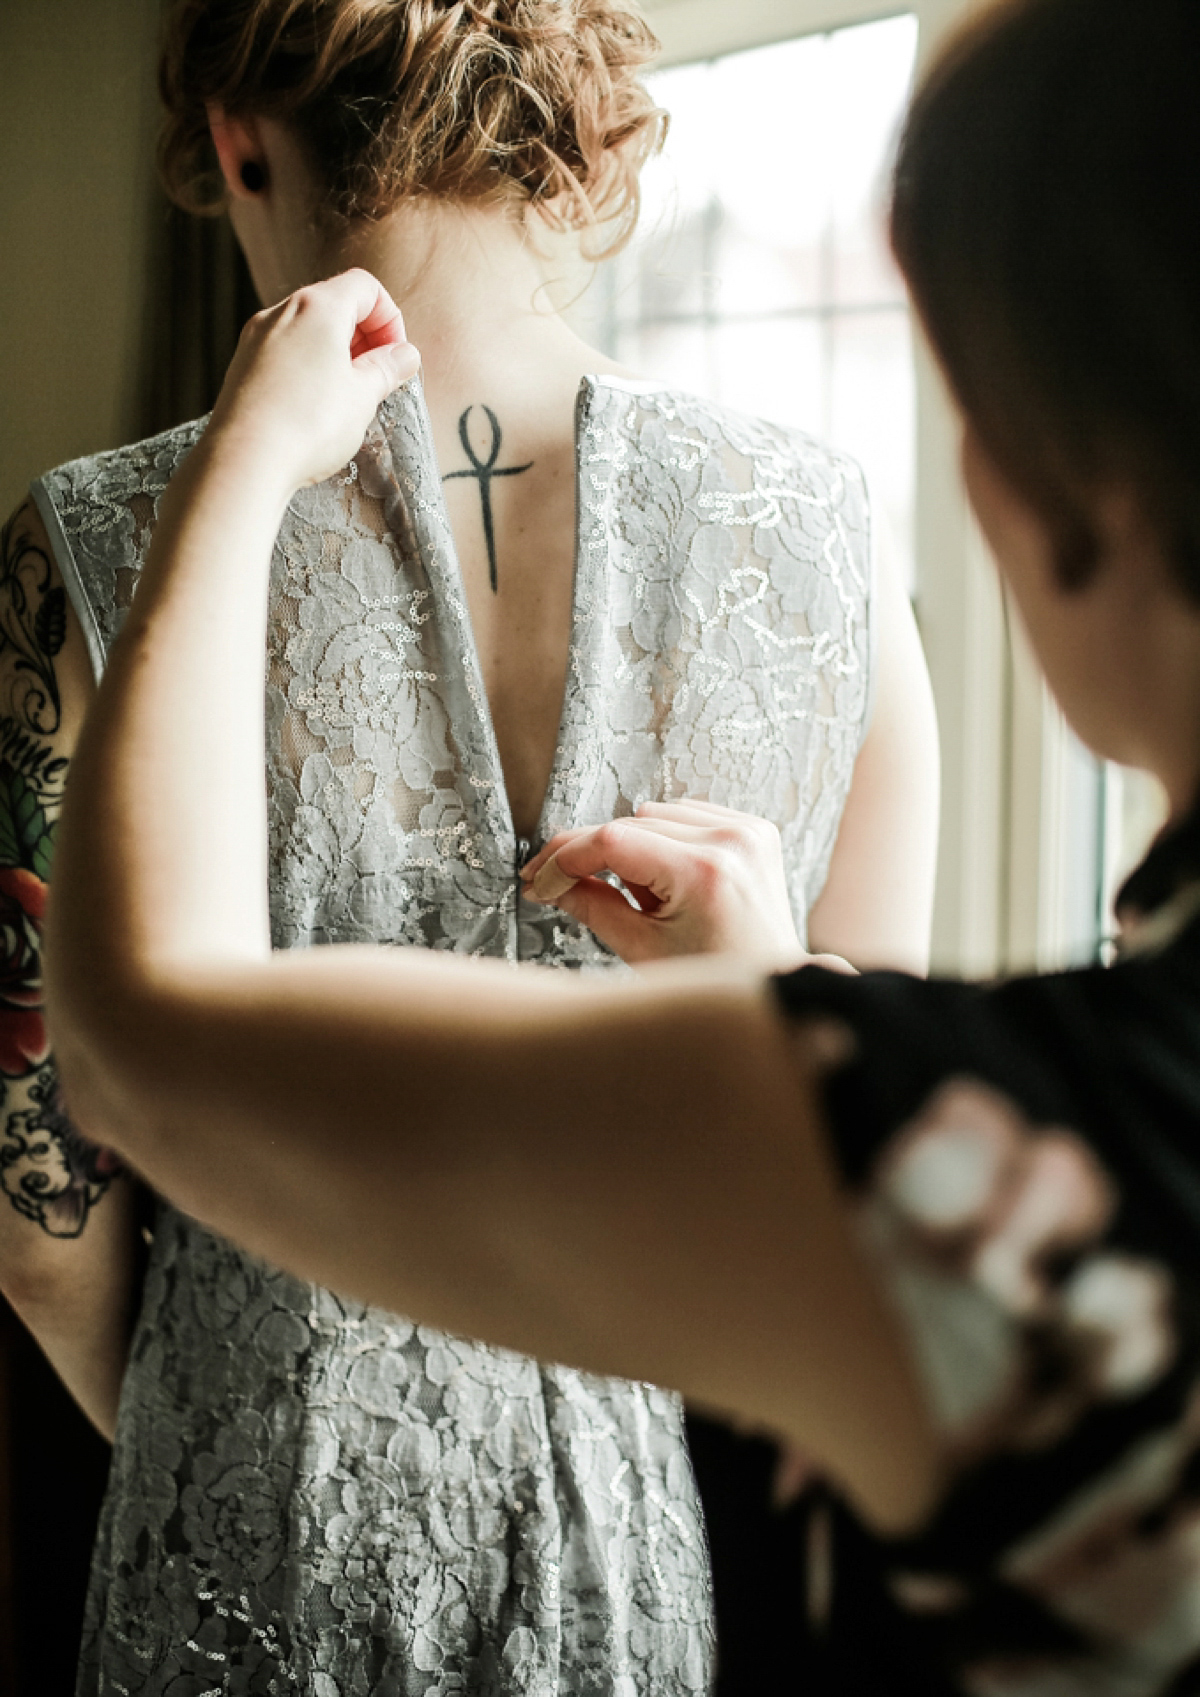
1046	214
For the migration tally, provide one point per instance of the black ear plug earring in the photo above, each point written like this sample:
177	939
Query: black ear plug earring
254	178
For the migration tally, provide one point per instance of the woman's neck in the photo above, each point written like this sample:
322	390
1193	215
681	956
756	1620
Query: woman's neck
473	291
502	372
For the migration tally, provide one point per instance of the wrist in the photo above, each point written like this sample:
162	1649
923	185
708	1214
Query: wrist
782	950
770	950
228	491
789	959
248	457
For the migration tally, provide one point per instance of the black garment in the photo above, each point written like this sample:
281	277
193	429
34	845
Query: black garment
1024	1162
759	1563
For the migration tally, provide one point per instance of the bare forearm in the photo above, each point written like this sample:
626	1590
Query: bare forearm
67	1245
172	758
67	1242
620	1174
79	1299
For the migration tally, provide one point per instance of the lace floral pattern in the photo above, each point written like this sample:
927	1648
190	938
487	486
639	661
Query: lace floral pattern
310	1496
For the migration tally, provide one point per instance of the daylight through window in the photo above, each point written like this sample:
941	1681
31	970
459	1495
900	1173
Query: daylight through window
761	276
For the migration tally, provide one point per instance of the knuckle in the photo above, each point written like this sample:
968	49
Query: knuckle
610	837
309	299
710	872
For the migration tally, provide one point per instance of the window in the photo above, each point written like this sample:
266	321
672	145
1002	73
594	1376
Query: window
760	275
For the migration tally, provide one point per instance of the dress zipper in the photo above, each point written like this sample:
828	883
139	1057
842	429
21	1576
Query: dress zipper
522	852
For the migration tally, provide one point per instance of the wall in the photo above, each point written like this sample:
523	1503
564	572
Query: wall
76	144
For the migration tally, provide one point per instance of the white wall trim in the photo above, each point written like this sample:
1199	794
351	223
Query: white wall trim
702	29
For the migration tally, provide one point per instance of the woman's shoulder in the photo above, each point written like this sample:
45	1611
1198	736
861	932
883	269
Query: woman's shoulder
652	409
685	465
142	467
99	514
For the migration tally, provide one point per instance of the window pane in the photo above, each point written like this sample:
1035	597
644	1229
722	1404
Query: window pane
772	251
873	410
678	354
774	369
869	72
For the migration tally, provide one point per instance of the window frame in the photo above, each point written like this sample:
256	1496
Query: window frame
1006	844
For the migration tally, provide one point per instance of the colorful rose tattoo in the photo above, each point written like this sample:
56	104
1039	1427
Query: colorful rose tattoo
49	1174
22	1029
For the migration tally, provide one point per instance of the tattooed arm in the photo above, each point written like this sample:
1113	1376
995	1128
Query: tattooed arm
67	1232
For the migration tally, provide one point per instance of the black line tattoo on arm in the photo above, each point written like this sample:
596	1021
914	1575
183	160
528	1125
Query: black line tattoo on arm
47	1170
49	1173
33	619
484	471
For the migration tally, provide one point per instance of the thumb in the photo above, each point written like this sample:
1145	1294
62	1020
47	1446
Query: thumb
388	367
606	913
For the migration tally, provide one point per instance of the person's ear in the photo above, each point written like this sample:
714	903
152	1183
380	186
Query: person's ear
240	153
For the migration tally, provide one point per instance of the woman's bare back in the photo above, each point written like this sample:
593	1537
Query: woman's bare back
508	465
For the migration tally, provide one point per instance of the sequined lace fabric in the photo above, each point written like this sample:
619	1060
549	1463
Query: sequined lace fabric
310	1496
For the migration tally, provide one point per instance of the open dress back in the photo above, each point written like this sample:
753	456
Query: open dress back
310	1495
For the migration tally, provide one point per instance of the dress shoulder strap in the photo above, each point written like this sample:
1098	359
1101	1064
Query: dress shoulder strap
726	562
99	513
802	505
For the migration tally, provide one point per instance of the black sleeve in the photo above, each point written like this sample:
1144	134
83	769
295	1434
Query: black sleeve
1023	1163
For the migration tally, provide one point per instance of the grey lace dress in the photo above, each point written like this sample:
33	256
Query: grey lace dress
310	1496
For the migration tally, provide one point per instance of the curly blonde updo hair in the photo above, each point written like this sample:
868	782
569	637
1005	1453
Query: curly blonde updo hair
473	101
